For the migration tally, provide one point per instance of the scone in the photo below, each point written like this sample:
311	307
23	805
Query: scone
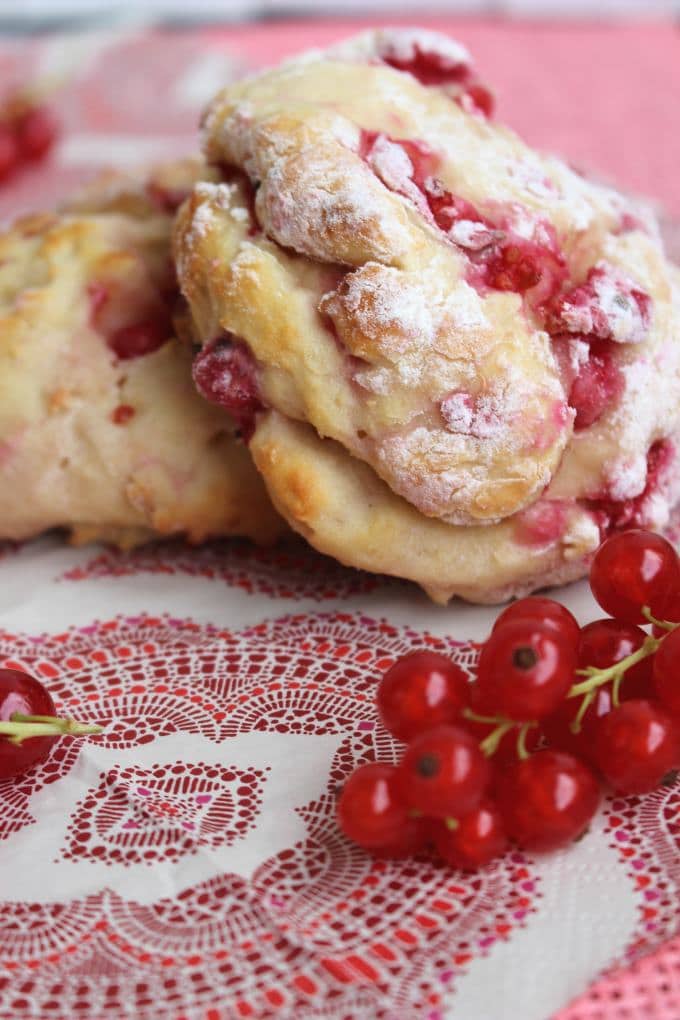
101	429
457	360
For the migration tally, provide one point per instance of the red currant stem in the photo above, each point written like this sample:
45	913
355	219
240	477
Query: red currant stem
21	727
616	690
577	721
415	813
522	752
664	624
451	824
597	677
494	720
489	745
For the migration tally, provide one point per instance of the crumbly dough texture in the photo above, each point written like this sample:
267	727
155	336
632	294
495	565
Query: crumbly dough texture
365	242
112	449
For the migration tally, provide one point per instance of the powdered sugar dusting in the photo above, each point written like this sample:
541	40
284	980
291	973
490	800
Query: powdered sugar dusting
402	45
484	417
609	305
330	208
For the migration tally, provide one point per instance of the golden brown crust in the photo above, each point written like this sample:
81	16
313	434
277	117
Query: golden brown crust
343	509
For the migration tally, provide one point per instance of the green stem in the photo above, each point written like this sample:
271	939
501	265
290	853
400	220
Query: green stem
489	745
20	727
577	721
451	824
491	720
664	624
596	677
616	690
522	752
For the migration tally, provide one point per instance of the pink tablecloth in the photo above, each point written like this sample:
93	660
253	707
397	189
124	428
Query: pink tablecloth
185	865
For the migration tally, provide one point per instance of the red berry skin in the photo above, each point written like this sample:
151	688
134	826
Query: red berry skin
139	339
557	727
671	613
22	693
370	812
9	152
479	838
546	611
525	670
667	673
36	132
633	569
636	744
547	800
605	642
443	774
421	690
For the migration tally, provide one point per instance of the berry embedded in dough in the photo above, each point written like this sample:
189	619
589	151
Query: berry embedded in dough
410	303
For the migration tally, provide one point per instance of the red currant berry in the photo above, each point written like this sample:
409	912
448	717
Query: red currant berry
138	340
524	671
633	569
443	773
667	672
421	690
605	642
23	694
370	812
546	611
558	731
547	800
478	837
9	152
636	745
35	131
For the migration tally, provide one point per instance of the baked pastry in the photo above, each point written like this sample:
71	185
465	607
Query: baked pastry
457	359
101	430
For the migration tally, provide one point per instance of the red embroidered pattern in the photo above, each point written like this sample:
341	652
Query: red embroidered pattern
291	570
318	927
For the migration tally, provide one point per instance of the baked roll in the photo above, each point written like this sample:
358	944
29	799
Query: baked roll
101	429
455	359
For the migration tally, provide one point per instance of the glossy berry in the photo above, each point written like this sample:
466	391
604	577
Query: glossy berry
547	800
667	672
633	569
443	774
605	642
557	728
421	690
371	814
524	671
477	839
543	610
23	694
36	131
636	745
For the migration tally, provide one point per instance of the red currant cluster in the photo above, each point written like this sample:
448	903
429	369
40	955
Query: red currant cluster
28	723
28	131
521	752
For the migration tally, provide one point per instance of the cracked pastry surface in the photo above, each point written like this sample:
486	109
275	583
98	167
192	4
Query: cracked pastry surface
387	280
101	430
